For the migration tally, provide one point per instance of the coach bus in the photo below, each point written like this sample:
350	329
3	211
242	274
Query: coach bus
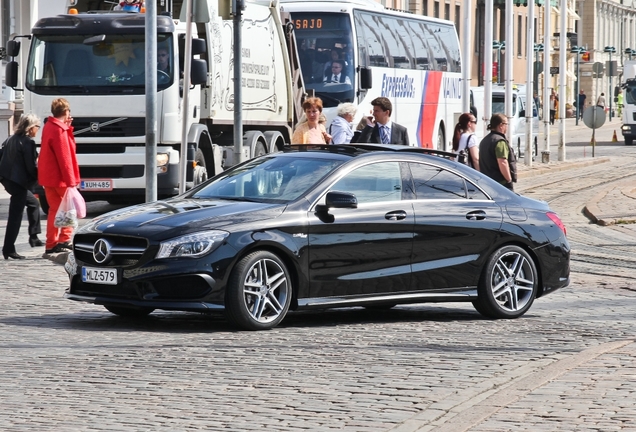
413	60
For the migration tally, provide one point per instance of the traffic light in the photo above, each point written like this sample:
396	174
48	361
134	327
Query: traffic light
585	56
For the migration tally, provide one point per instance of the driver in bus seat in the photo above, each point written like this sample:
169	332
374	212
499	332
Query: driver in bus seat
336	75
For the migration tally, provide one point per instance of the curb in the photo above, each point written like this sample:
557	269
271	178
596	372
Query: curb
592	209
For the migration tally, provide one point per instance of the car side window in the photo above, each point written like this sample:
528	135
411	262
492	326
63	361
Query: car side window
431	182
373	183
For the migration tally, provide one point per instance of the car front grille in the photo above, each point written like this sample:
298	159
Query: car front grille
124	251
187	287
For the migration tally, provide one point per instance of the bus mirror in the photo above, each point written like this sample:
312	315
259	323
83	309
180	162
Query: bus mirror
11	74
198	46
199	71
13	48
366	81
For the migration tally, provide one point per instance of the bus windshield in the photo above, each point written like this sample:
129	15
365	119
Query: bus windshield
95	64
326	55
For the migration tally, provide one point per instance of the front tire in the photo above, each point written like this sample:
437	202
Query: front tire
508	285
259	292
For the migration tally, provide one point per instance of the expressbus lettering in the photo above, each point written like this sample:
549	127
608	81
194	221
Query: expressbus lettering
398	87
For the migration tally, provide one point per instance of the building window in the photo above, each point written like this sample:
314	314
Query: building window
519	35
5	13
447	11
458	19
436	9
425	8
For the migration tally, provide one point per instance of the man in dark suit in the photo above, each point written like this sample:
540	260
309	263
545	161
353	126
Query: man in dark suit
384	131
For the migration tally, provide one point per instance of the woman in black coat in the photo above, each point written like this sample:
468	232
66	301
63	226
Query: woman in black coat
18	175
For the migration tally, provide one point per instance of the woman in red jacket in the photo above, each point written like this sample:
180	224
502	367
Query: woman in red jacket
58	170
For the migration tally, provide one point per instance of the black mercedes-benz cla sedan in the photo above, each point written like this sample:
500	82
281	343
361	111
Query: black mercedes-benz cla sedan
323	227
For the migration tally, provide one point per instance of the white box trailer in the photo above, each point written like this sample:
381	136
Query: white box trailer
628	86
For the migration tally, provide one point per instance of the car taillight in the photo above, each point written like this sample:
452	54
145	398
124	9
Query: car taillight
554	218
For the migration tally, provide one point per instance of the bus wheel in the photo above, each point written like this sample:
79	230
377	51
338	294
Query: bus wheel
441	145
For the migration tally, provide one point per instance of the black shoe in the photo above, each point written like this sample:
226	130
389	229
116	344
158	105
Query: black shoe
34	241
55	249
66	246
12	255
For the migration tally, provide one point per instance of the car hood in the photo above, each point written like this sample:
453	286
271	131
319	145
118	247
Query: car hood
183	215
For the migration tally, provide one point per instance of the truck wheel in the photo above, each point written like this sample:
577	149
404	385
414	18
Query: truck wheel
200	171
629	141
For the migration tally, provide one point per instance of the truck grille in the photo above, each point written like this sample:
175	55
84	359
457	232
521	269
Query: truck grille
109	127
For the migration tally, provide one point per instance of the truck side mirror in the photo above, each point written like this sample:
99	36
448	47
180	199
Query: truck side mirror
11	74
198	71
198	46
13	48
366	81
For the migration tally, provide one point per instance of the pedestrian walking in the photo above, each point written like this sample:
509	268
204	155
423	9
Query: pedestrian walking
553	107
581	103
58	171
496	158
311	131
464	139
18	175
384	131
600	102
340	128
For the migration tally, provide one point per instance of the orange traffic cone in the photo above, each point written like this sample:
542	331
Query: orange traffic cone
614	139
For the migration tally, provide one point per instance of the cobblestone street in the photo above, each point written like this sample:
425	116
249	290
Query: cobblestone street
568	364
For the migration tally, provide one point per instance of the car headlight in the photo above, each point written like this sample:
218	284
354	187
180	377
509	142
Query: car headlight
192	245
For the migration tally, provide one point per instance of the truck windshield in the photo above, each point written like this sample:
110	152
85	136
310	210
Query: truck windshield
95	64
326	55
499	104
630	93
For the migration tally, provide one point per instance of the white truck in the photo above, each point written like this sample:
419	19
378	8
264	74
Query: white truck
518	120
96	60
628	85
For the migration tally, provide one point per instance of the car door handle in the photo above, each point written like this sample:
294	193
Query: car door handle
476	215
395	215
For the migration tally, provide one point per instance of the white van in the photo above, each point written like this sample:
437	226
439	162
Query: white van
517	125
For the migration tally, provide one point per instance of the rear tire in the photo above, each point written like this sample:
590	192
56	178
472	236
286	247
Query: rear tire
629	141
508	284
441	145
200	173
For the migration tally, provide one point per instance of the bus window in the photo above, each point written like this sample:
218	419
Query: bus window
419	46
371	29
446	35
397	41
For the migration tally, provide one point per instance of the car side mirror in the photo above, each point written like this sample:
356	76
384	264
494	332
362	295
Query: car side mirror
337	199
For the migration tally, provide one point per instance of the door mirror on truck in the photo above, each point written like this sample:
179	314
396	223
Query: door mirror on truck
366	81
11	74
198	71
13	48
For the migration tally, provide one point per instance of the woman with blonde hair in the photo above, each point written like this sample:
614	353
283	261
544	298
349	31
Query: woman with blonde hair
312	131
18	175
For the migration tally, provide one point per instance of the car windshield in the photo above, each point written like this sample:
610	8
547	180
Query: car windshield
276	179
94	64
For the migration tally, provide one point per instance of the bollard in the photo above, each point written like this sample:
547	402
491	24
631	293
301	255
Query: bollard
545	157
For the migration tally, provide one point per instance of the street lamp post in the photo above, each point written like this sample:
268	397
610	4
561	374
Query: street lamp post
499	45
610	95
578	51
